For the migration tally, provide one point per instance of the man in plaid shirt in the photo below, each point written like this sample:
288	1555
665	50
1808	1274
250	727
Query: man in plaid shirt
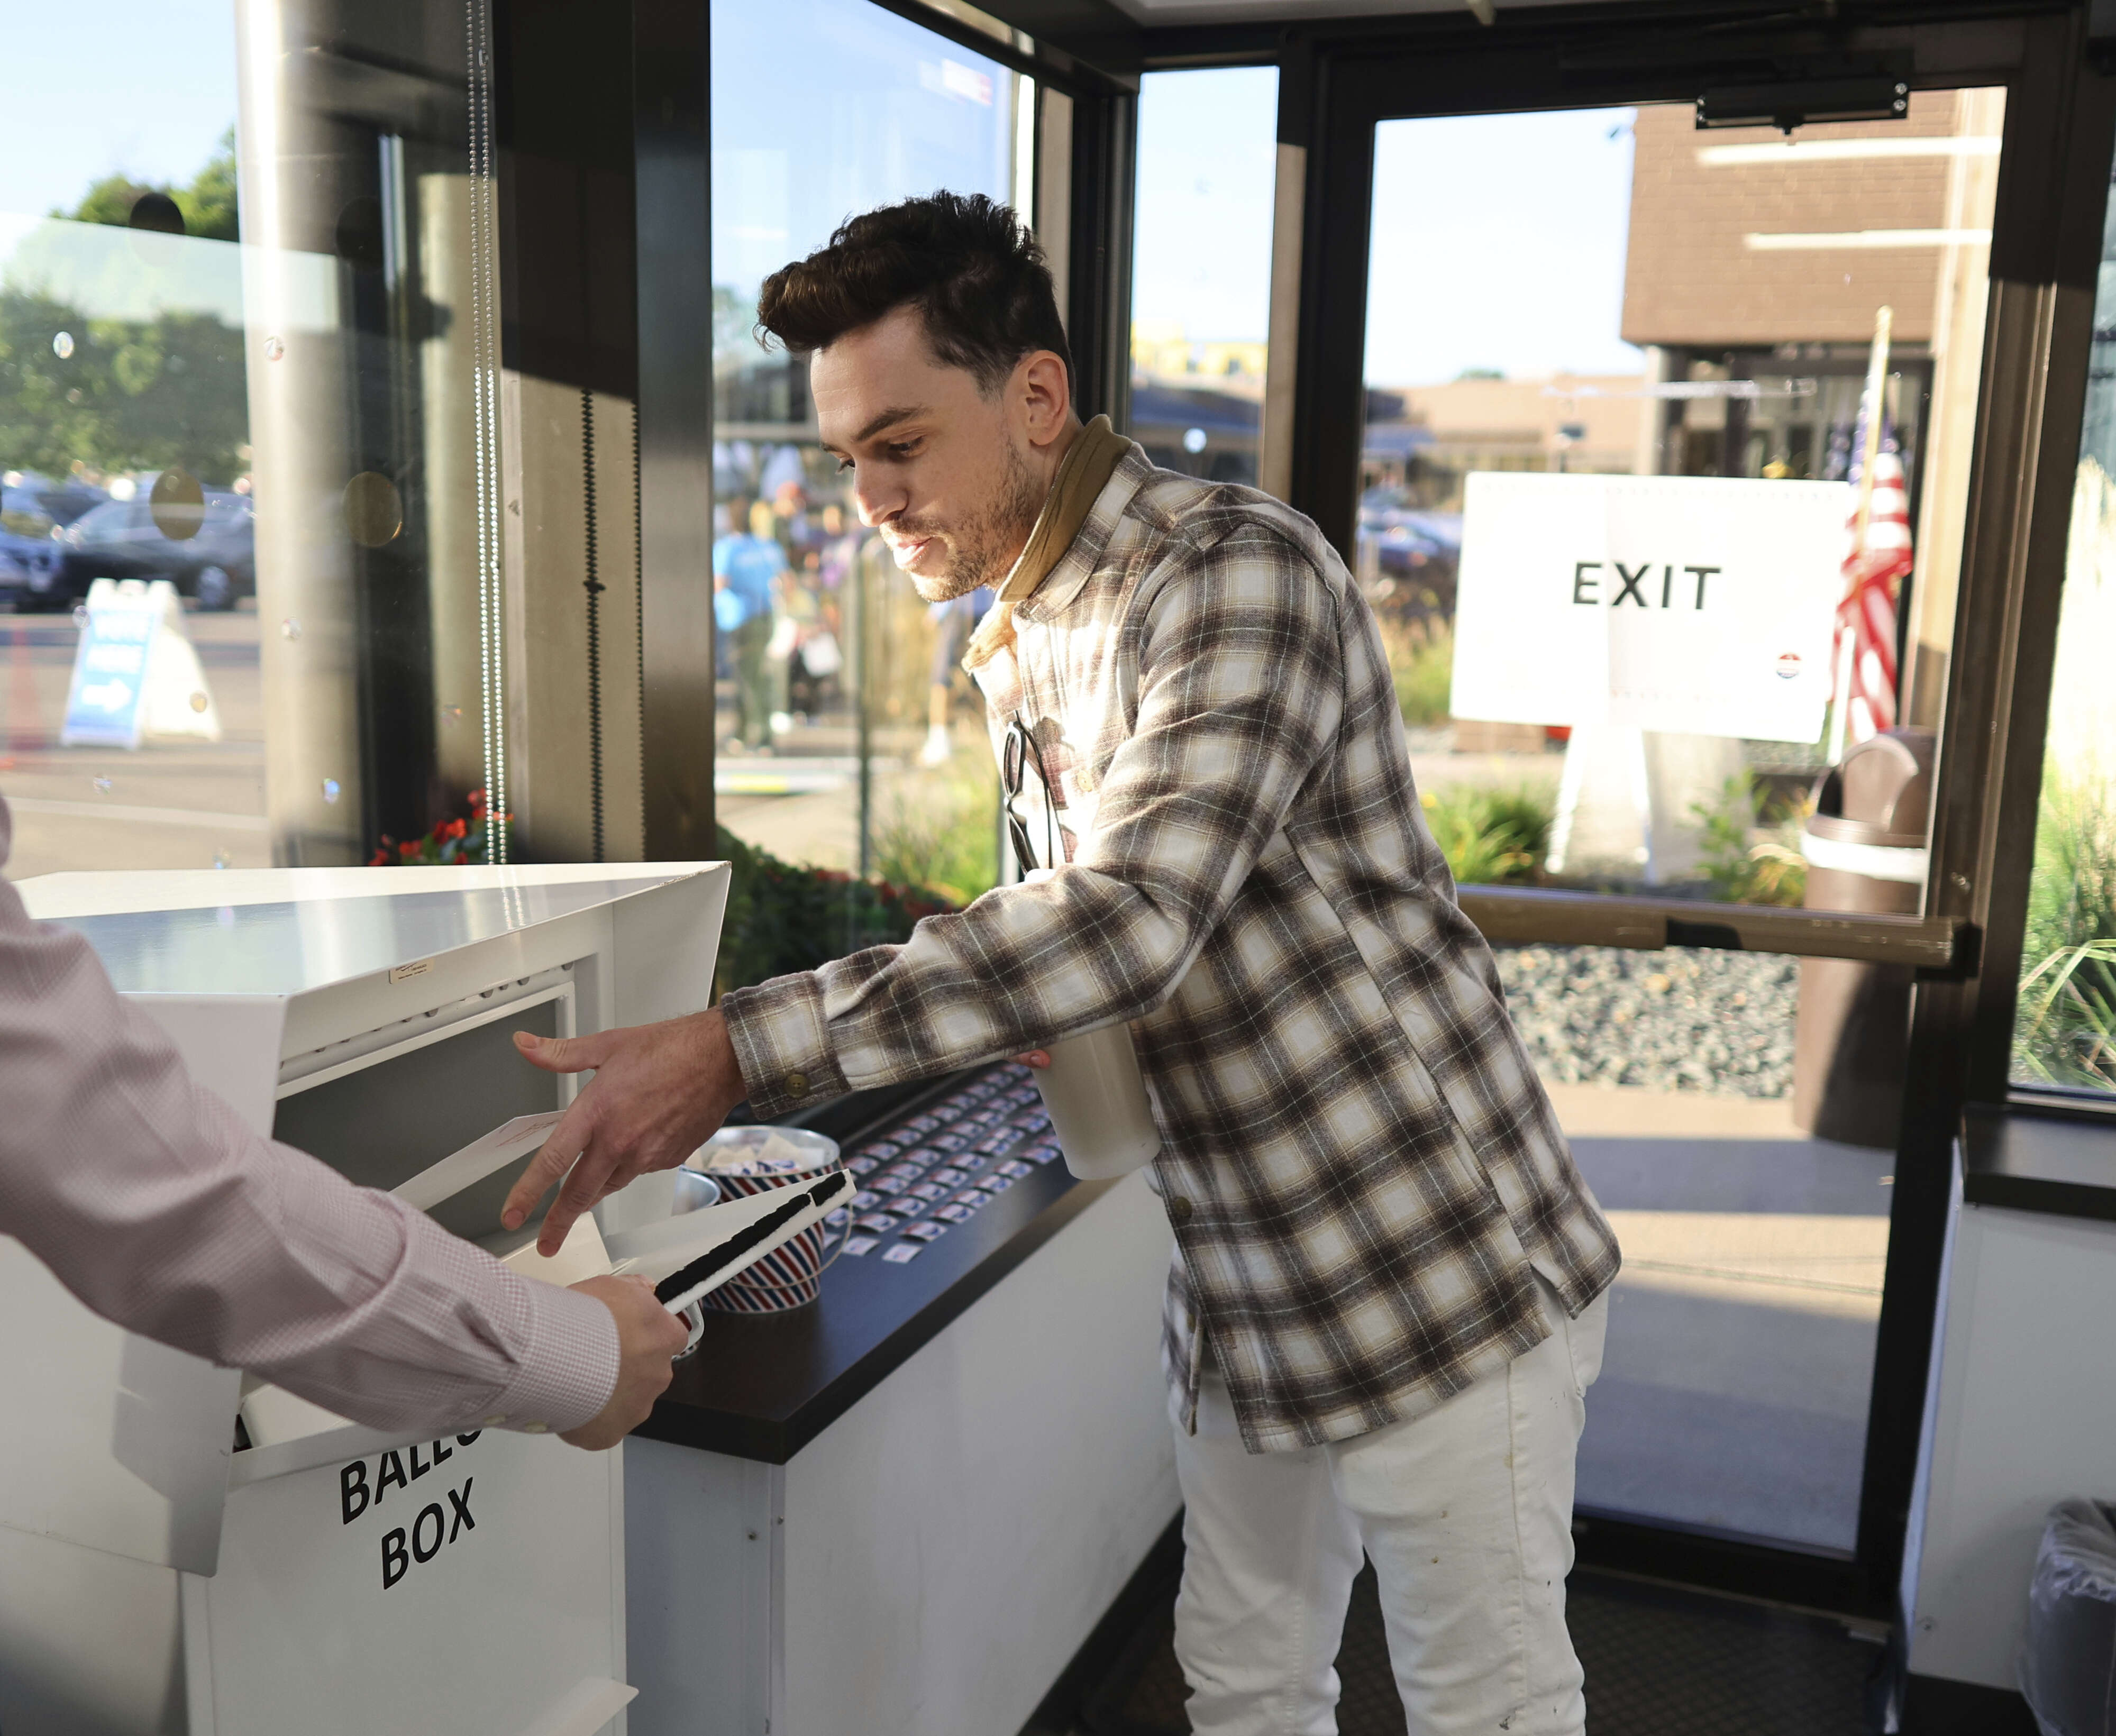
1385	1305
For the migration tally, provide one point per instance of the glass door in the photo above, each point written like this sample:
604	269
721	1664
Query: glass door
1662	482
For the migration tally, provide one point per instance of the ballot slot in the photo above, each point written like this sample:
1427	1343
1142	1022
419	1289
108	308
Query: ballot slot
399	1111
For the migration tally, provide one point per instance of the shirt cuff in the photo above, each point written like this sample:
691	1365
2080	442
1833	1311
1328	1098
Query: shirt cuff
571	1367
782	1045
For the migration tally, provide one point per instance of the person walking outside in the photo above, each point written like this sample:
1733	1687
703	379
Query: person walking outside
1387	1298
954	622
747	567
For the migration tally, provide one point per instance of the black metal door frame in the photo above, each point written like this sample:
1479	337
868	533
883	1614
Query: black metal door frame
1338	79
2053	177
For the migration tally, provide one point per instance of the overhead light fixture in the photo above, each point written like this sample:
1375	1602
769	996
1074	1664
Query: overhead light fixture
1798	155
1825	240
1881	97
1686	389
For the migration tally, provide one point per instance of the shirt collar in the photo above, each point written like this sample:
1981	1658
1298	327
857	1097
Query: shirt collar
1076	564
1082	474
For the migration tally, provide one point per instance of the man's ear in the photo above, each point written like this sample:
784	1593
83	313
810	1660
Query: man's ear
1045	395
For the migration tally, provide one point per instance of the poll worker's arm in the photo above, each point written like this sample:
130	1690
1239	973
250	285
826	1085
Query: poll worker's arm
149	1199
1241	693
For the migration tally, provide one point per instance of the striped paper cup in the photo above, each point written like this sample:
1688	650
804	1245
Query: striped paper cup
753	1160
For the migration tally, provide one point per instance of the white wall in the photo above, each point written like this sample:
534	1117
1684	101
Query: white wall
2026	1417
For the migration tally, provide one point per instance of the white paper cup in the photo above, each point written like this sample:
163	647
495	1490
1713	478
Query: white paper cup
1096	1097
1097	1103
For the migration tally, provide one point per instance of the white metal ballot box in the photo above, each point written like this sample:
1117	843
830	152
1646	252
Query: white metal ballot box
328	1578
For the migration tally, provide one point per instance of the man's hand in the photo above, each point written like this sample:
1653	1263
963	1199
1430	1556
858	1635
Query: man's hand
1038	1058
648	1337
659	1092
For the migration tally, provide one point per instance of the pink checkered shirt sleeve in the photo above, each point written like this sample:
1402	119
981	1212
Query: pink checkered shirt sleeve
149	1198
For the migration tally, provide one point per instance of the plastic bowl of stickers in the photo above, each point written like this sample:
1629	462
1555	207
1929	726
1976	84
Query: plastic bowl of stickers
753	1160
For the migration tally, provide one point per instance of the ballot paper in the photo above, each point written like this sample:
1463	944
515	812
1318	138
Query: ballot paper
581	1255
506	1143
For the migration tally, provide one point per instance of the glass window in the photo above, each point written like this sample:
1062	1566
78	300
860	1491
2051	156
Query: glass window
2065	1029
1201	268
849	742
1656	709
1742	1328
1698	397
248	437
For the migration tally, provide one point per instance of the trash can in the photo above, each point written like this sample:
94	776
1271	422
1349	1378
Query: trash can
1866	854
2069	1661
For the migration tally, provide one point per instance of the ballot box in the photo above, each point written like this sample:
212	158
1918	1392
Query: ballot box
326	1578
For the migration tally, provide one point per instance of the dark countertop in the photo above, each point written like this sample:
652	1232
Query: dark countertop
2031	1161
762	1386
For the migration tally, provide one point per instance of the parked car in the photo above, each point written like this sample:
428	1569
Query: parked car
28	557
1412	554
119	539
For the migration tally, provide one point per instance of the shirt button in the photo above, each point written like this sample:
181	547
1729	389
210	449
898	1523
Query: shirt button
1179	1209
797	1084
534	1428
493	1421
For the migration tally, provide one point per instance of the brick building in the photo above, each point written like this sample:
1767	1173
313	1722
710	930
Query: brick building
1755	270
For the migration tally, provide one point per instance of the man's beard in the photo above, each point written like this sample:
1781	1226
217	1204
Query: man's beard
985	546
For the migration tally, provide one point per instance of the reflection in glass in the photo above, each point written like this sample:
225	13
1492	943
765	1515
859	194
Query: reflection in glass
848	739
2065	1032
269	403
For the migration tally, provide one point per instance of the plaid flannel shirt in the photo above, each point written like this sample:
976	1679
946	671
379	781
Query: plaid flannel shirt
1361	1170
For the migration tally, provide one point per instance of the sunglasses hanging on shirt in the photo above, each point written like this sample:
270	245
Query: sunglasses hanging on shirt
1017	756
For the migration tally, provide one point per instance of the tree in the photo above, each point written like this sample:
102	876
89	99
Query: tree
207	204
117	395
129	396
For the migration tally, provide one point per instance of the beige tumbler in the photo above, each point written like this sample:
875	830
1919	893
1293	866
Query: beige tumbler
1096	1099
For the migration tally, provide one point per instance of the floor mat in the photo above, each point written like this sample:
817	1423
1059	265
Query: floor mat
1659	1663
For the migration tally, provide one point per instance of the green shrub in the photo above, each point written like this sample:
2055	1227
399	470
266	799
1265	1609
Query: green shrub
1743	868
1491	837
2065	1024
781	918
1421	656
940	829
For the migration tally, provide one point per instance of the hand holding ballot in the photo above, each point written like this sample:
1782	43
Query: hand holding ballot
648	1338
659	1092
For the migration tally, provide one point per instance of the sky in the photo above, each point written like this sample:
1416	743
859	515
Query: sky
1498	242
146	89
822	109
1207	155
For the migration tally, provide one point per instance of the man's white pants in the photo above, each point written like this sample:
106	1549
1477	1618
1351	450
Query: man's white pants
1466	1512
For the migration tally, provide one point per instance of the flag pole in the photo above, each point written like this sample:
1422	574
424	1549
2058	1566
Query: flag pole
1872	408
1872	403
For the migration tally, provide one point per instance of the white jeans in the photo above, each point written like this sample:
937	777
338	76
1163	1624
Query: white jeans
1466	1512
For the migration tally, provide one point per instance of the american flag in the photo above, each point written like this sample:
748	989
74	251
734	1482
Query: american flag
1879	560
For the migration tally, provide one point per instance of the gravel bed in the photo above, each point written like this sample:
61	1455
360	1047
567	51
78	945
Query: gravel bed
1681	1020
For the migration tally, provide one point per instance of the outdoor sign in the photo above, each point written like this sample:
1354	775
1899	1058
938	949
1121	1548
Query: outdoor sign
135	673
1693	605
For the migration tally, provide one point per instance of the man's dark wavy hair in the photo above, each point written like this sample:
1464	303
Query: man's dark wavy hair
966	263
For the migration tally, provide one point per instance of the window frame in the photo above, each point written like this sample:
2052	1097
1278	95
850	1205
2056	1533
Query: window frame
1337	81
